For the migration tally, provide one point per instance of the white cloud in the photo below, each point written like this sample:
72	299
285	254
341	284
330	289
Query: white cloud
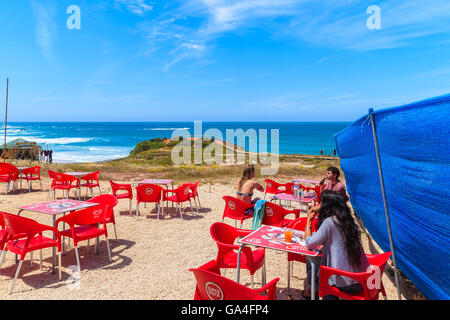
45	32
139	7
189	28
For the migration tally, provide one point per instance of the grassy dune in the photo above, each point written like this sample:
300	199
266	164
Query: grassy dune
153	159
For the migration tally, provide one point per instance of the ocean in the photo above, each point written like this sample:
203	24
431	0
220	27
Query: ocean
99	141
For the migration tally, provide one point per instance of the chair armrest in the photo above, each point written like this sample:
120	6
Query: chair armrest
296	212
270	287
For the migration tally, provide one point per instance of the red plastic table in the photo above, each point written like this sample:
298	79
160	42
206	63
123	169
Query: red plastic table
306	181
54	208
290	197
273	238
165	182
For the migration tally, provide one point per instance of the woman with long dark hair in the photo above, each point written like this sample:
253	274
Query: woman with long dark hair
340	237
246	185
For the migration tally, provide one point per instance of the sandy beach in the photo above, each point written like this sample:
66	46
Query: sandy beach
150	258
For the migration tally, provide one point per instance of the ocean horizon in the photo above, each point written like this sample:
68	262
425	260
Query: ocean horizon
100	141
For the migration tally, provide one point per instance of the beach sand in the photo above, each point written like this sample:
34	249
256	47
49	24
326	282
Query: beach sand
151	258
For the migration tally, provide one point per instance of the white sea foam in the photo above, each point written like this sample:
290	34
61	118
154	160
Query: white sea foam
165	129
58	140
71	157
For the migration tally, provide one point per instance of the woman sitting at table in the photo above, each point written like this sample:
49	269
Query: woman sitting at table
246	185
340	237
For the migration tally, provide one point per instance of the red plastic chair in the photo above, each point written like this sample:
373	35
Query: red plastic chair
298	224
91	182
111	201
273	187
193	194
316	190
225	235
235	209
274	215
370	280
8	173
149	193
25	236
128	194
86	224
180	195
62	181
32	174
3	233
212	286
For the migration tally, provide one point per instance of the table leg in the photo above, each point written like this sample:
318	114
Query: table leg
18	213
238	268
97	243
172	202
313	280
53	248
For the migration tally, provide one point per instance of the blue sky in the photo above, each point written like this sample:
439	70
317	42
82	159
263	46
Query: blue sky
213	60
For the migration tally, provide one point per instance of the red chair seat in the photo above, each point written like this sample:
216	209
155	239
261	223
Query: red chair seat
89	184
31	178
84	232
172	198
123	196
37	243
230	260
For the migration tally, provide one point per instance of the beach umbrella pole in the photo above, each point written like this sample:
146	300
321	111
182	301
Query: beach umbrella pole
383	192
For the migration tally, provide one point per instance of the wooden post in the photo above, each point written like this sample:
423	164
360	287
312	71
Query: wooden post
6	119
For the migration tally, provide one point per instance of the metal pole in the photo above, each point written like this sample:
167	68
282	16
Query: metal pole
383	192
6	119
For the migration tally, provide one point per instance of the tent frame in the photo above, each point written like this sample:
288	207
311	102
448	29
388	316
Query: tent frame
383	192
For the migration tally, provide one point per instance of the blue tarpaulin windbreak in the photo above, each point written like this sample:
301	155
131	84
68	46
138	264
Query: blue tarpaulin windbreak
414	149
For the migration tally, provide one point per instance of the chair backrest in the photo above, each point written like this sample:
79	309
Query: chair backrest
272	186
90	215
274	214
235	208
316	189
29	172
4	171
182	192
148	193
212	286
51	174
223	233
117	187
16	225
300	224
92	176
9	166
9	169
194	187
106	199
63	178
289	188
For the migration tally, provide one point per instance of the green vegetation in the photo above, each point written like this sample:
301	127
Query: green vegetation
152	159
